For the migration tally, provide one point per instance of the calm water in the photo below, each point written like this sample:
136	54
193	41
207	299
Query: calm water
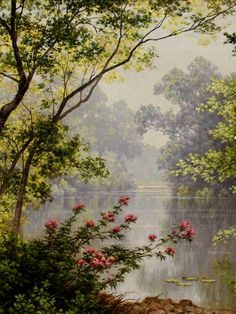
158	212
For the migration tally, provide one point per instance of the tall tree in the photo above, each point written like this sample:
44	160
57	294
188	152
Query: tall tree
53	55
188	128
219	164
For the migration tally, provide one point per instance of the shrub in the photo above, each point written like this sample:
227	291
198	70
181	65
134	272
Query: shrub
64	273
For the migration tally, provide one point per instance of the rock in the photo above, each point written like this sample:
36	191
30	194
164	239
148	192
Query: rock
179	310
189	308
149	300
158	311
155	305
199	310
186	303
169	308
137	308
165	301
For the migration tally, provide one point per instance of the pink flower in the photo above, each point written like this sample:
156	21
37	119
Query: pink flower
109	217
81	262
78	207
110	260
131	218
51	224
191	233
95	262
124	200
91	250
103	261
90	223
188	234
174	233
184	235
116	229
184	224
99	255
170	251
152	237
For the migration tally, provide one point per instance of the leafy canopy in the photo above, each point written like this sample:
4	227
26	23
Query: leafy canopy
217	165
53	54
189	129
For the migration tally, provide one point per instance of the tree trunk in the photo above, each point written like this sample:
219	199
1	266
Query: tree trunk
21	194
7	109
10	171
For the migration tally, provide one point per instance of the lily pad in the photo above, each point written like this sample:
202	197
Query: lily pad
184	284
208	280
172	280
190	278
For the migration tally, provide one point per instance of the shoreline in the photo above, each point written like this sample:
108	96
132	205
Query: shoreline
156	305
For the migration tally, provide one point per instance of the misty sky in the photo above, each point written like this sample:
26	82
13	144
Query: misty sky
179	51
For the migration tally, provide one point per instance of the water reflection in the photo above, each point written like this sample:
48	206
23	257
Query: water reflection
156	214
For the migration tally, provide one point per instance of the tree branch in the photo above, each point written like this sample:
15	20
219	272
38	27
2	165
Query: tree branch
5	25
142	41
10	77
4	185
83	100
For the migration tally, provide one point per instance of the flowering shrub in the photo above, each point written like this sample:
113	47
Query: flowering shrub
51	224
152	237
66	266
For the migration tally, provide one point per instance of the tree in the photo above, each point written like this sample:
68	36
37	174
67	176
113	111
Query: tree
187	128
26	173
217	165
231	39
96	36
107	127
110	131
60	50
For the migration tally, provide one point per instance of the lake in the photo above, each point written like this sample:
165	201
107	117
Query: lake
157	213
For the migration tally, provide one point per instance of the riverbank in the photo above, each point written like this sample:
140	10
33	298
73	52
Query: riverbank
156	305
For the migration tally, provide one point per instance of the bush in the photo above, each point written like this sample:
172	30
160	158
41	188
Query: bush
64	273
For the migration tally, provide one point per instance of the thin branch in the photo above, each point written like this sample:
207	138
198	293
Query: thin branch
142	41
18	155
5	25
21	11
82	100
97	77
92	73
9	76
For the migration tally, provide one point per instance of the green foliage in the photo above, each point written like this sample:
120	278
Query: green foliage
224	235
217	165
187	128
224	268
63	273
231	39
53	55
53	153
38	301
